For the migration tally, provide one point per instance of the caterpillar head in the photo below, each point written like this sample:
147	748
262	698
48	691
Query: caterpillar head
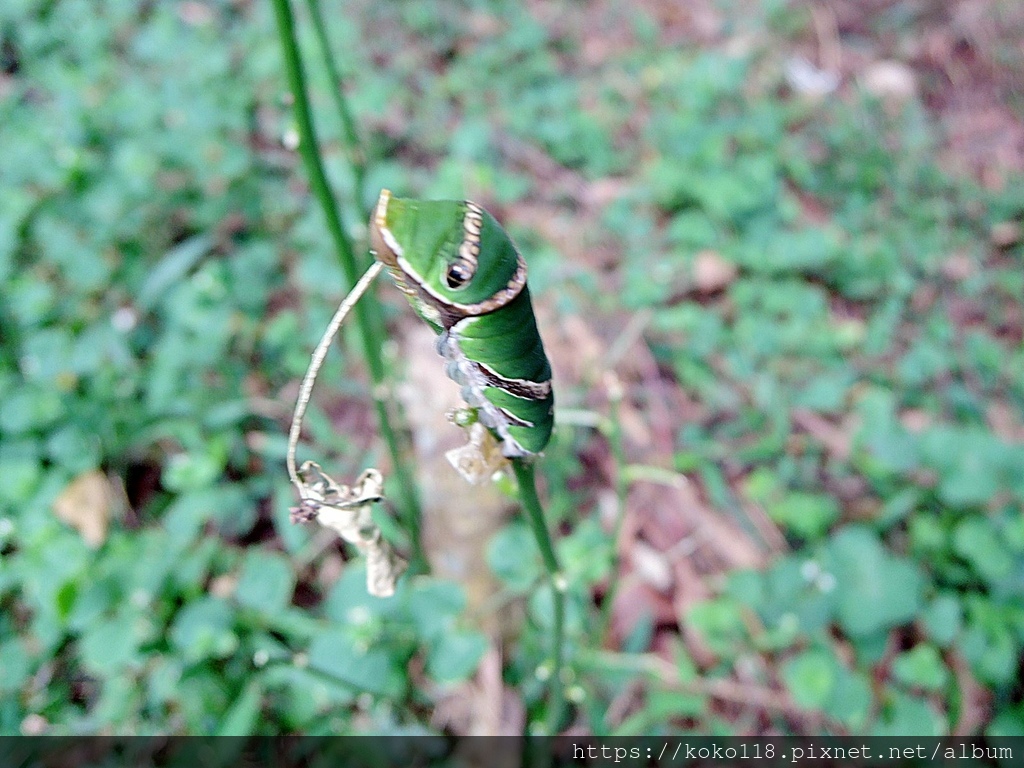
451	256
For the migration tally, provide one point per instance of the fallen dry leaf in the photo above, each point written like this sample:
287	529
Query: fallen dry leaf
889	80
651	566
711	272
1005	233
836	439
637	601
958	267
976	701
86	506
915	419
1005	422
223	586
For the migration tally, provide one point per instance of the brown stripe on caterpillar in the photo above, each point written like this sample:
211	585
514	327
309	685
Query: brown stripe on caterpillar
514	420
522	388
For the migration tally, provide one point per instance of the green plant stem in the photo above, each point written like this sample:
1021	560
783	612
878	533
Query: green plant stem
353	145
526	480
613	431
366	311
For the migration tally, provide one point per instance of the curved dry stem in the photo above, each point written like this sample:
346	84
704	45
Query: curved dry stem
306	389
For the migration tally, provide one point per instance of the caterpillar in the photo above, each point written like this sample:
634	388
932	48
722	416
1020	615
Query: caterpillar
463	275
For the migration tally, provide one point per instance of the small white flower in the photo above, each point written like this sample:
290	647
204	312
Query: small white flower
359	615
124	319
803	77
810	570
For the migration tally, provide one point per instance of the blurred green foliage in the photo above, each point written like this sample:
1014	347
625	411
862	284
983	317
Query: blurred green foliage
154	241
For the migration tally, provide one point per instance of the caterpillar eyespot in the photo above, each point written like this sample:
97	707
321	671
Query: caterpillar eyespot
487	331
457	276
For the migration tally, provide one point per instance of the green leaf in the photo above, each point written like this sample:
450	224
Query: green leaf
171	268
808	515
942	619
21	477
1009	722
165	672
898	507
692	229
638	639
665	706
203	629
109	646
192	471
65	598
434	606
799	597
194	565
826	392
586	554
74	449
968	462
16	664
119	699
541	609
372	669
30	407
514	558
891	447
184	518
349	602
1013	532
906	715
975	540
266	582
294	537
921	667
871	649
811	678
874	589
761	485
990	647
720	623
243	716
851	701
454	656
200	697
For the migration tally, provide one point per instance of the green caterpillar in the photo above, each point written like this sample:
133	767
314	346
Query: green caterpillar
464	276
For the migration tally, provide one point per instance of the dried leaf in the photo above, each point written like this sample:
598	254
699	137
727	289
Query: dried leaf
890	80
1005	233
479	459
348	511
711	272
803	77
86	506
